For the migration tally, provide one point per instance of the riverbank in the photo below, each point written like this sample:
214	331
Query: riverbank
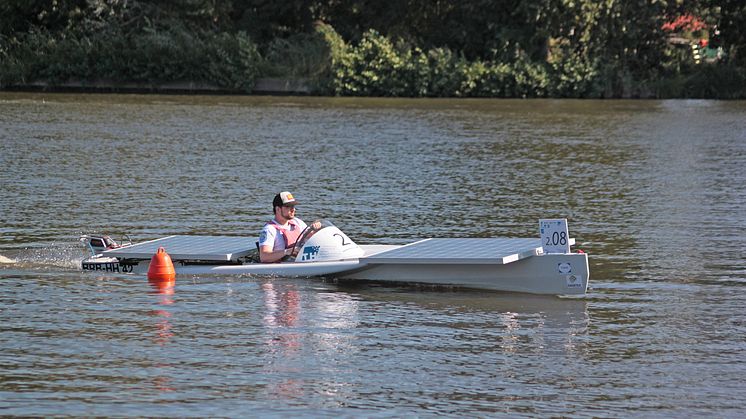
262	86
697	86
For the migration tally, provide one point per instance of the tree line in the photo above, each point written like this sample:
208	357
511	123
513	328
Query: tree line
444	48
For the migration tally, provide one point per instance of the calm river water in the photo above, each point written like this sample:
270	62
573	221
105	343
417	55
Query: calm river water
654	191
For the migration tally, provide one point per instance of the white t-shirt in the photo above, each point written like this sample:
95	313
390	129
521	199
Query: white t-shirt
269	234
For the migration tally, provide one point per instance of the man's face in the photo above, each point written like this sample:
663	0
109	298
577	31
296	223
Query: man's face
287	211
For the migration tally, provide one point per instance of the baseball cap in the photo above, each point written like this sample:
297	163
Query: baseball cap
284	198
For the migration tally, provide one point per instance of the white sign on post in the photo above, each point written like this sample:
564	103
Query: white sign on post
554	236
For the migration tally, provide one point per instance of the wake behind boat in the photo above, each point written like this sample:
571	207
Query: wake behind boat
542	265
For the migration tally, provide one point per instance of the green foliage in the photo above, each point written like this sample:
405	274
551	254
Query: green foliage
299	56
716	82
149	56
13	67
379	67
444	73
329	81
576	77
232	61
731	20
707	81
376	68
40	56
418	48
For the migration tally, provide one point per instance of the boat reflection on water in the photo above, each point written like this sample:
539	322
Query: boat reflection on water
282	304
319	343
514	322
303	335
283	343
547	325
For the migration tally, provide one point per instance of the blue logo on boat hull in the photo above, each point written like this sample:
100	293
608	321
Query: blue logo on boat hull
310	253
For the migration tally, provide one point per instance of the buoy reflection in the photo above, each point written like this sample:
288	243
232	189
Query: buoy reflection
165	290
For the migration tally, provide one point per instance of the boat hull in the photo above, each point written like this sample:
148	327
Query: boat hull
555	274
552	274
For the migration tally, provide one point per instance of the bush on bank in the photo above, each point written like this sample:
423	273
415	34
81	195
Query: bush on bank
374	66
150	57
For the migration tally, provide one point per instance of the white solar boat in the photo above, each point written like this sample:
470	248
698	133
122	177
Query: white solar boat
530	265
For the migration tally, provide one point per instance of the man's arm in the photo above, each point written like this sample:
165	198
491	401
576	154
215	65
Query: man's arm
267	255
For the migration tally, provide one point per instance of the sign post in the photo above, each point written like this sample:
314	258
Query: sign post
554	236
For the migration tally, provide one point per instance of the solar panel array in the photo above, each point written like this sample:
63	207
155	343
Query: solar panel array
212	248
461	250
435	251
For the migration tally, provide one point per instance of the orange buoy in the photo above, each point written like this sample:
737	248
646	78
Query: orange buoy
161	268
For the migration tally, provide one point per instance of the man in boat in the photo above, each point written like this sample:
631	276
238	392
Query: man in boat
279	235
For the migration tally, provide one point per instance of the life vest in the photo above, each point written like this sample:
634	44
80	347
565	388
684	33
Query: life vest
290	235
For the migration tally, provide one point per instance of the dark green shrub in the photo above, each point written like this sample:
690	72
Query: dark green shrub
12	67
575	77
446	73
148	56
171	51
713	81
300	56
332	80
231	61
376	68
